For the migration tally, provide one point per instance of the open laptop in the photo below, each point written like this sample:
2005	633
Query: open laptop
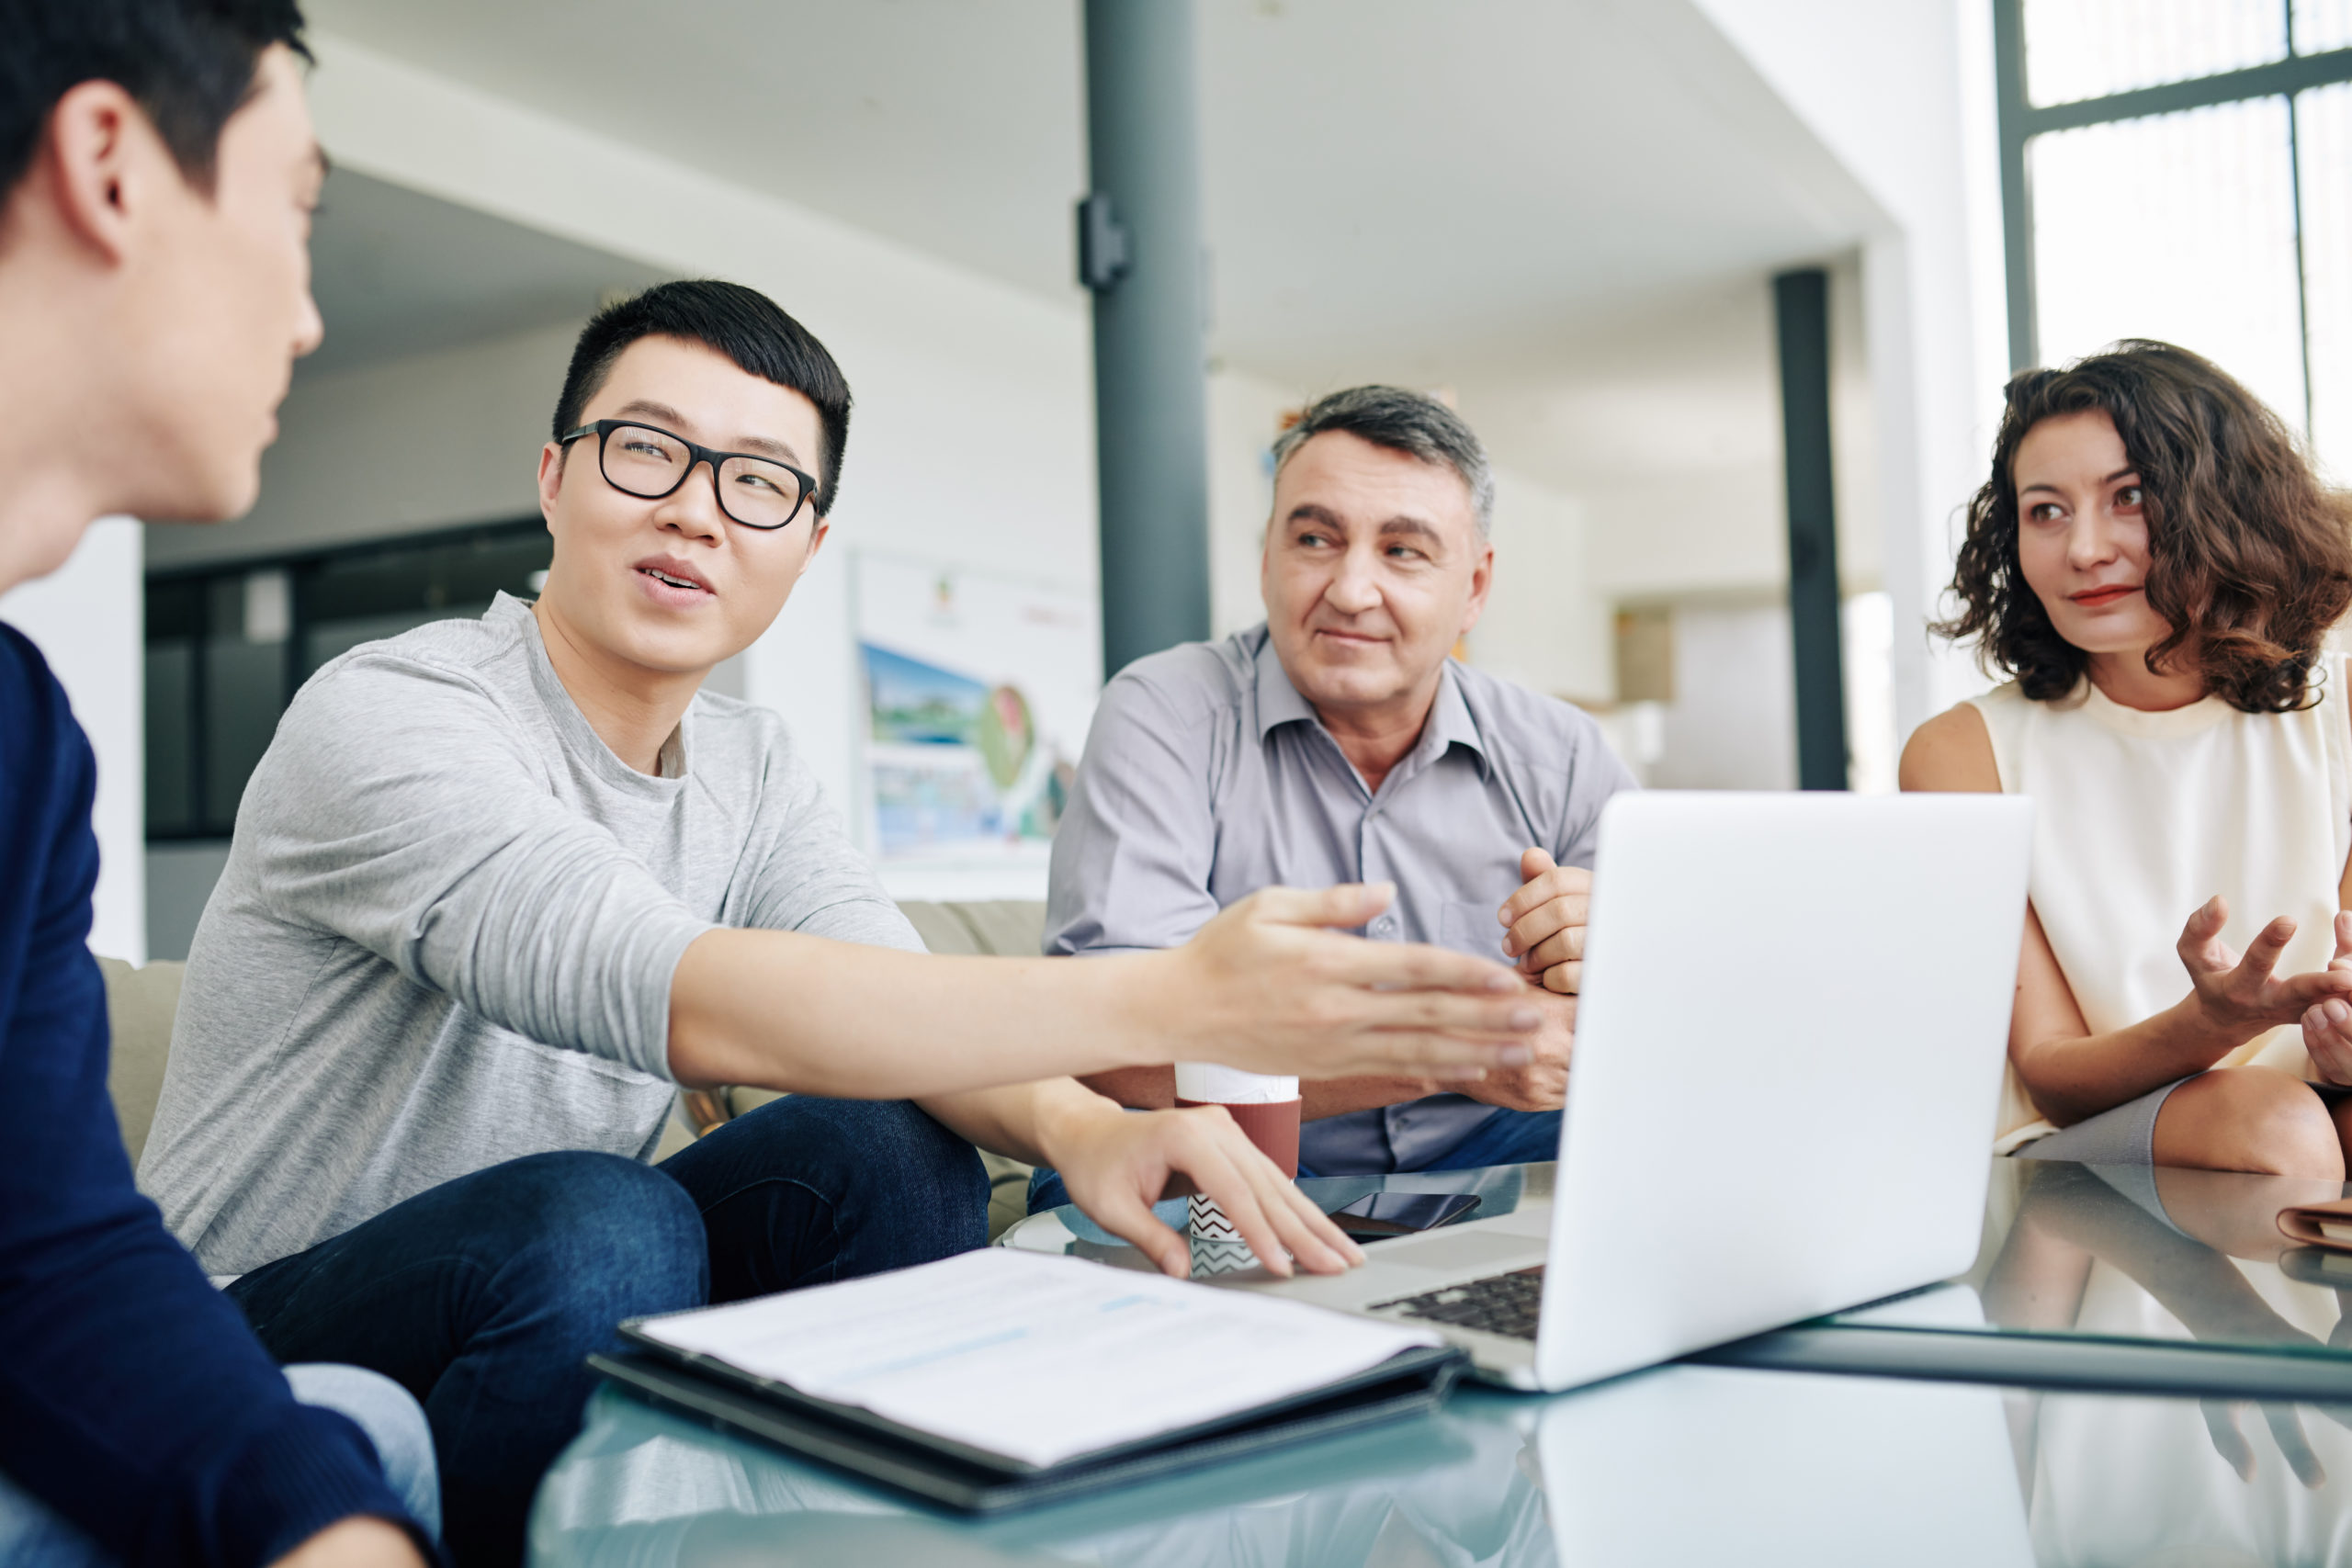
1781	1102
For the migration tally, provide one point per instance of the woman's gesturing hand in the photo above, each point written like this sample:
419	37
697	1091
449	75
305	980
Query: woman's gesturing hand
1263	988
2327	1024
2240	998
1117	1162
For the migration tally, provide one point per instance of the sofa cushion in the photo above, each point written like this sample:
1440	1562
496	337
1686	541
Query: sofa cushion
139	1006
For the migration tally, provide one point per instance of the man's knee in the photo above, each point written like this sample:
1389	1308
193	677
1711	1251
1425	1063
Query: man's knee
2250	1119
895	1164
393	1421
598	1238
890	1144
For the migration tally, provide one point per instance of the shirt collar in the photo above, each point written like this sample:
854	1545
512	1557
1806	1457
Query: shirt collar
1450	720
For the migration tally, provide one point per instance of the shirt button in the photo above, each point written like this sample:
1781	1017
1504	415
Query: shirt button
1382	926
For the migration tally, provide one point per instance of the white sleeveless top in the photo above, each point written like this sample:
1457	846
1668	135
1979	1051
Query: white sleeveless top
2138	818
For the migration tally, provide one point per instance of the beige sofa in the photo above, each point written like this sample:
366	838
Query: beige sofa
141	1002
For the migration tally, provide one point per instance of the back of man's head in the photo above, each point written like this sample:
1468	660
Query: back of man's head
741	324
1412	422
190	63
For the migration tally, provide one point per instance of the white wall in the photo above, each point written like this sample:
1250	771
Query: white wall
1901	94
428	441
1547	624
1734	727
89	620
1244	415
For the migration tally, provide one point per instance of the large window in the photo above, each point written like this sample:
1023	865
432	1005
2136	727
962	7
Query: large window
227	646
2182	169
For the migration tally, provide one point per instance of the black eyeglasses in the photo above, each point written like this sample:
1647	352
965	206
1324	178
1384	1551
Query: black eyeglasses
647	462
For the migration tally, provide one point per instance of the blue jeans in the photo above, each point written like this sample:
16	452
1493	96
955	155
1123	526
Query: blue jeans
484	1295
1507	1137
33	1537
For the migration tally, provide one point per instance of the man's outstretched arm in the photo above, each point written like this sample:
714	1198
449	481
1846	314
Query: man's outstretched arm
1262	988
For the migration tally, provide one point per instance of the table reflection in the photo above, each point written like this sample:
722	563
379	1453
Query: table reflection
1684	1465
2133	1253
1680	1466
645	1489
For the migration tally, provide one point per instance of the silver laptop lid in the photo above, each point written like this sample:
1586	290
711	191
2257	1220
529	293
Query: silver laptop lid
1787	1063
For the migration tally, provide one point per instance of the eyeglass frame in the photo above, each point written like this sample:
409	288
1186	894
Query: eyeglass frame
695	456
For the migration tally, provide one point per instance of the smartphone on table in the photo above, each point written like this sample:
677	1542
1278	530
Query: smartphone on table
1377	1214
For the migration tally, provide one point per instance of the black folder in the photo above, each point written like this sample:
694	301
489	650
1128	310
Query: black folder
973	1481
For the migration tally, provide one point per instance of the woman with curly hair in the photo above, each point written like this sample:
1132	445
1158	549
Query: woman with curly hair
2155	565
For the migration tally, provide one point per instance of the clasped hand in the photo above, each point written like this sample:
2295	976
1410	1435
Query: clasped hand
2327	1022
1544	925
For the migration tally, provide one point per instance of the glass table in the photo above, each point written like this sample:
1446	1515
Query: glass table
2191	1403
2114	1277
1684	1465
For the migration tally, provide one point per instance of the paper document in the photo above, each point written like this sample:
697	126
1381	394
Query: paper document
1036	1358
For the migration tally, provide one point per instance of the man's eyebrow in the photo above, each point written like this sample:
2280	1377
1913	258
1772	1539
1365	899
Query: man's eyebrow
649	409
1412	525
757	445
767	447
1309	512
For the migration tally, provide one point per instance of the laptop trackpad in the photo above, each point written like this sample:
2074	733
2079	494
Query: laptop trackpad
1464	1249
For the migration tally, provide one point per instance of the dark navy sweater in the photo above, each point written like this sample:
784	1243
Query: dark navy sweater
133	1399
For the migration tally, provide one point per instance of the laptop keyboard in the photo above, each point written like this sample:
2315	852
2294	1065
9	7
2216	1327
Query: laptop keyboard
1509	1304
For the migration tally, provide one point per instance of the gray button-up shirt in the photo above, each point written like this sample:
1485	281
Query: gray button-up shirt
1207	776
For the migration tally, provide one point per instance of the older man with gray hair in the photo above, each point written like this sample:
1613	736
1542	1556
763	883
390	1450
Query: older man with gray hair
1339	741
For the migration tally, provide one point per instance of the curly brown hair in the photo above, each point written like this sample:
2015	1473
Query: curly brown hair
2246	549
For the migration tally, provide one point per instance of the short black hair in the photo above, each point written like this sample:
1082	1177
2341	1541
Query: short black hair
190	63
741	324
1412	422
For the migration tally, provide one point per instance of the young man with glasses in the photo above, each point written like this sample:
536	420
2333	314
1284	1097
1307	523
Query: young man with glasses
499	887
157	173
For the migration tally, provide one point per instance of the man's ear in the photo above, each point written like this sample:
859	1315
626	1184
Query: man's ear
550	481
816	542
100	157
1482	582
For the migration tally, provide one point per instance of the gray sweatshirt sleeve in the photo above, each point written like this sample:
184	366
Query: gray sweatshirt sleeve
398	809
810	878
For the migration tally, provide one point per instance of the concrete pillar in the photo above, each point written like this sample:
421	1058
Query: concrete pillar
1800	307
1139	252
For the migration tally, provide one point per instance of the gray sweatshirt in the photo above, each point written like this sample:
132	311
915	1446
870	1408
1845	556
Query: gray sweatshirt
445	935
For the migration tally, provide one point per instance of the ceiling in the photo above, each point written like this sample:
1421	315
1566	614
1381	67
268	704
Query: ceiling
398	273
1432	190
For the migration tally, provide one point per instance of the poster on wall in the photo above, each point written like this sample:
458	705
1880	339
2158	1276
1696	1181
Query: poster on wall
979	688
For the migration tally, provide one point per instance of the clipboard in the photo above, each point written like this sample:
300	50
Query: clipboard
968	1479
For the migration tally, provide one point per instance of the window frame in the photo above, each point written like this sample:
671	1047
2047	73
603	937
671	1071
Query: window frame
197	585
2021	121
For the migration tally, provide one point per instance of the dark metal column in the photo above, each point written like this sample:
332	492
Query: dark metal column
1140	251
1801	305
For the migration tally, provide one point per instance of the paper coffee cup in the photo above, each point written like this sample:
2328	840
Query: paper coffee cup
1266	1110
1265	1107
